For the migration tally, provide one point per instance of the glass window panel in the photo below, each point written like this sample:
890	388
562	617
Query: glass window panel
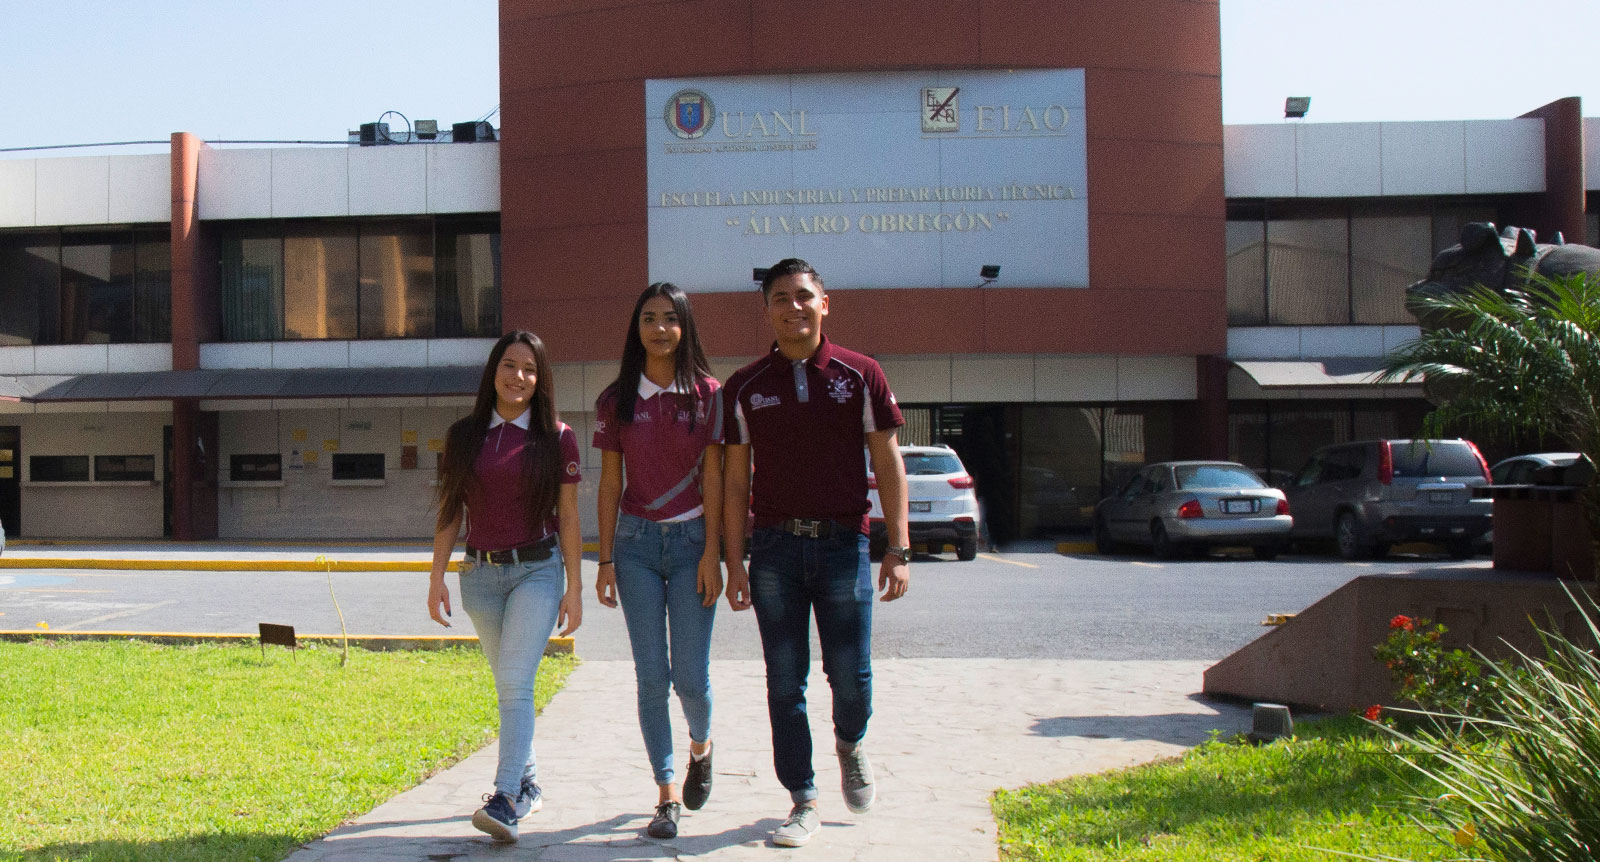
468	297
397	281
58	468
255	468
362	465
97	290
1591	232
124	468
1059	476
320	283
1247	273
1308	271
252	288
1387	254
30	273
152	290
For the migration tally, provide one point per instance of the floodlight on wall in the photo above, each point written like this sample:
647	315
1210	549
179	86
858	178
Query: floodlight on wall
1296	107
989	272
759	274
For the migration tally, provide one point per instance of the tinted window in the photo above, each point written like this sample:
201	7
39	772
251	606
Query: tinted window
358	466
59	468
125	468
1216	476
1441	458
255	468
919	464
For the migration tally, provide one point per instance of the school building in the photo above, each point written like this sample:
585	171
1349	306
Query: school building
271	341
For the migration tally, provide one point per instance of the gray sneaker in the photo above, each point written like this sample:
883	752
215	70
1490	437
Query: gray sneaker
855	777
797	830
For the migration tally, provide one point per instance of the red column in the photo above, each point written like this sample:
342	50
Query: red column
1560	208
194	318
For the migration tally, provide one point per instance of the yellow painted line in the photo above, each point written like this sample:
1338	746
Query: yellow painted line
1006	561
1146	565
1075	547
554	645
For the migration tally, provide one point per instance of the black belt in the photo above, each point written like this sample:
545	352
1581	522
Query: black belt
533	553
810	528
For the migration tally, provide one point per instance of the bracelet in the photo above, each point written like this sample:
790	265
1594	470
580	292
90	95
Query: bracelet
605	562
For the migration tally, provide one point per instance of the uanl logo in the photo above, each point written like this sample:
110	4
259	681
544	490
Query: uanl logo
689	114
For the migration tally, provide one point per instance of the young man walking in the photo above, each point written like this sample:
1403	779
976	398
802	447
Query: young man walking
806	411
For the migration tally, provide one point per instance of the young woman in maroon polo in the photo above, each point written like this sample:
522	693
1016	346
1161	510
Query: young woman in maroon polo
661	421
510	470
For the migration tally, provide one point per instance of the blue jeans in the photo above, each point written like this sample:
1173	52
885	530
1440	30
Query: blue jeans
514	609
668	626
789	577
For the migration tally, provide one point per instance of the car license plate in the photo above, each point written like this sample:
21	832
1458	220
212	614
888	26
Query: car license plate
1237	507
921	506
1441	497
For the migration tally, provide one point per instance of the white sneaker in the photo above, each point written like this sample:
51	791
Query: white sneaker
803	823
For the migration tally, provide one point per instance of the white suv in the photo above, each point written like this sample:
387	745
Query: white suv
943	507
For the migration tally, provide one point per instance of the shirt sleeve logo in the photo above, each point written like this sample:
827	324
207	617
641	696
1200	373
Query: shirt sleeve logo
600	426
572	468
840	389
758	401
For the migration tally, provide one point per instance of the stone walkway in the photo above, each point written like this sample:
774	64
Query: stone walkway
944	735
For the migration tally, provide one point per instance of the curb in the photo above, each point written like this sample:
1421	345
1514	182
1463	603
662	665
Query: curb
1075	547
376	643
216	565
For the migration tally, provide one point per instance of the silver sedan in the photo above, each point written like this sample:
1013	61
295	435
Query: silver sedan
1178	506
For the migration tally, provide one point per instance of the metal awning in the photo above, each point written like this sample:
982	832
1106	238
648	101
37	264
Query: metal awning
243	383
1329	378
1301	373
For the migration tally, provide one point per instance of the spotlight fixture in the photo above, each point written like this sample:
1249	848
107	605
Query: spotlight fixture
989	272
759	274
1296	107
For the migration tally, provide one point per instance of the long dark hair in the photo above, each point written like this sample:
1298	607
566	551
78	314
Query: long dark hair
689	363
541	458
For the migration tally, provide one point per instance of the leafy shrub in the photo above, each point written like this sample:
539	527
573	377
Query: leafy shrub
1432	677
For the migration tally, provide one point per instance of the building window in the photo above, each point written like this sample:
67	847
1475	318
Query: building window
124	468
1322	264
255	468
417	278
58	468
364	465
77	287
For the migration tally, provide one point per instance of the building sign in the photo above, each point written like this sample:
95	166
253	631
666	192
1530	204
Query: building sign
903	179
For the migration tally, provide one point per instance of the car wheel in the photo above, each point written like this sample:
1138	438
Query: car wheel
1103	543
967	549
1266	552
1347	535
1460	550
1165	548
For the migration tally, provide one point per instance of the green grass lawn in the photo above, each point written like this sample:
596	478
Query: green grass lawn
130	751
1328	789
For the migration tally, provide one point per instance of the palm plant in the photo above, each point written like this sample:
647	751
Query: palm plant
1514	364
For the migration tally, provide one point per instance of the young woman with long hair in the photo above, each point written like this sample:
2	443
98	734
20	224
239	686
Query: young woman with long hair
662	420
510	468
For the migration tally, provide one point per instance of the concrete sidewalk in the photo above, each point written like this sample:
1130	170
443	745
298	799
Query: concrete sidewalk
944	735
346	556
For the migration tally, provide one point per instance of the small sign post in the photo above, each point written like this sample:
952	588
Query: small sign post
277	635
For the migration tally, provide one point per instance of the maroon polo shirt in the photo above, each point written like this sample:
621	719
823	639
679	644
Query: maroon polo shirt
497	504
807	421
662	447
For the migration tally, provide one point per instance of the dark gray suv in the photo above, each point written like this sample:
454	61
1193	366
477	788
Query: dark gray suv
1369	495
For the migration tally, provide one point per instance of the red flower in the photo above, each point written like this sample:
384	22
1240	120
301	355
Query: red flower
1372	712
1401	621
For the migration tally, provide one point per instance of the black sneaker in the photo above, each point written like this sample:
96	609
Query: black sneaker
497	817
529	799
665	823
697	781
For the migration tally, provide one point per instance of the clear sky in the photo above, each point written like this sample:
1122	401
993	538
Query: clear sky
76	71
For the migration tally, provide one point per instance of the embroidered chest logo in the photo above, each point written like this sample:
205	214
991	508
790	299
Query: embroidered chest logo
840	389
641	416
759	401
683	416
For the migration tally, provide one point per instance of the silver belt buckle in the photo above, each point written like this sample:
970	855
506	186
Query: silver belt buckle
809	529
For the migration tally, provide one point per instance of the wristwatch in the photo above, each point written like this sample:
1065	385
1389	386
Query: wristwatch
903	553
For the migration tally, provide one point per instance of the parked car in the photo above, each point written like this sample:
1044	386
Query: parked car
1176	506
939	494
1371	494
1519	470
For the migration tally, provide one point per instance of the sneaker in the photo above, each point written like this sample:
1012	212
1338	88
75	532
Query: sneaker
665	823
697	781
855	774
529	798
797	830
498	817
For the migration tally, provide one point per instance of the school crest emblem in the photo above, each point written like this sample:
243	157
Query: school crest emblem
689	114
840	390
